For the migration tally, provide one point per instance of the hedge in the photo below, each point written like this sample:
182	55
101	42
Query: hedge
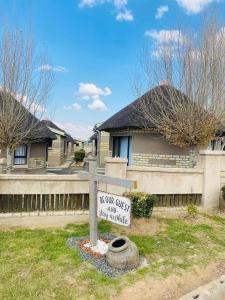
79	155
142	203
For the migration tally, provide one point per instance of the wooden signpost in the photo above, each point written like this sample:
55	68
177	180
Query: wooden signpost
94	178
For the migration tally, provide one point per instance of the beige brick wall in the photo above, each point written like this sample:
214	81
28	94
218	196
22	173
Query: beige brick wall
37	156
153	150
56	155
103	147
156	160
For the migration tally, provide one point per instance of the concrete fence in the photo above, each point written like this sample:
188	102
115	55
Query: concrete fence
43	184
43	200
205	180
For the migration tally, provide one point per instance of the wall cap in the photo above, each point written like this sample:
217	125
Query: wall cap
164	170
211	152
90	158
41	177
116	160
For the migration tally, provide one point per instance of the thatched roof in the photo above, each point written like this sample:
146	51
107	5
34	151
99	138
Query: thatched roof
41	132
52	125
93	137
132	116
69	138
38	131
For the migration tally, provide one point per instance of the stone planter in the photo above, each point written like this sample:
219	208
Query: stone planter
122	254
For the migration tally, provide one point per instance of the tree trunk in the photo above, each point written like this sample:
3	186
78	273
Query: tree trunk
193	156
8	160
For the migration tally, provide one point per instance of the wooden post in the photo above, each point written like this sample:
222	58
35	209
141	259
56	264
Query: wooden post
93	204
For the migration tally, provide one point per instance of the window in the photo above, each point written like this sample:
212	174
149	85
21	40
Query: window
122	147
20	155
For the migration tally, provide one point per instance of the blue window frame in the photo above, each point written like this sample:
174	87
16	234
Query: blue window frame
122	147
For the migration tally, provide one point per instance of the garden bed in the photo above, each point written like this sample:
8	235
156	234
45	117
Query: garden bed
98	261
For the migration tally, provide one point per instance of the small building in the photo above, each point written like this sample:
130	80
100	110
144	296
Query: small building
78	144
134	137
31	155
62	148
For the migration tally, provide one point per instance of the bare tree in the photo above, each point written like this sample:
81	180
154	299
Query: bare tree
194	65
24	90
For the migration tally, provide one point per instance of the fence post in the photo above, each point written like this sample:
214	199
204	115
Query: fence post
1	165
93	202
211	162
116	167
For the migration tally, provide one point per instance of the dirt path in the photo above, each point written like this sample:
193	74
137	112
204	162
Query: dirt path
173	286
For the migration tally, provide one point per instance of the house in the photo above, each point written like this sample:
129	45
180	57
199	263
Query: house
62	148
134	137
31	155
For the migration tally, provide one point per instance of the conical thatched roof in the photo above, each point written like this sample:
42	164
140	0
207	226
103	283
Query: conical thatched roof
132	116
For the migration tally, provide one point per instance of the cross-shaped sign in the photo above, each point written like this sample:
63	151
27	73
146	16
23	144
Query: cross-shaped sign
94	178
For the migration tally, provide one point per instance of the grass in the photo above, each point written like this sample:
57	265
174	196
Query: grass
37	264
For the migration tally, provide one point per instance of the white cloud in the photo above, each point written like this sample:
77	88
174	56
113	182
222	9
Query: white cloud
163	51
97	104
90	3
194	6
120	3
90	91
165	41
161	11
48	67
125	15
76	106
166	36
117	3
78	130
120	6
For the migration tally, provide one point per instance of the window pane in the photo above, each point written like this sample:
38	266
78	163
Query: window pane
116	150
20	155
20	161
124	147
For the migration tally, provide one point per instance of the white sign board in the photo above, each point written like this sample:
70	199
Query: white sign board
113	208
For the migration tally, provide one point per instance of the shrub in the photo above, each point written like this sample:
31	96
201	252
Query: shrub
79	155
142	203
192	210
223	191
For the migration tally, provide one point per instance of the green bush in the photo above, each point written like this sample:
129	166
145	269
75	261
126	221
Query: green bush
223	190
142	203
79	155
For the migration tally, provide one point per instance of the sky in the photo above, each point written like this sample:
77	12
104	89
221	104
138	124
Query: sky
94	46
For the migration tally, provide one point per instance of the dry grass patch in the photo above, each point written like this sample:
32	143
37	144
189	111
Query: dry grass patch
143	226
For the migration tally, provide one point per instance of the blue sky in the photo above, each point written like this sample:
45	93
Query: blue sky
94	46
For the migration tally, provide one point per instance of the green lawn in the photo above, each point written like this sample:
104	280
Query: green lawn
37	264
